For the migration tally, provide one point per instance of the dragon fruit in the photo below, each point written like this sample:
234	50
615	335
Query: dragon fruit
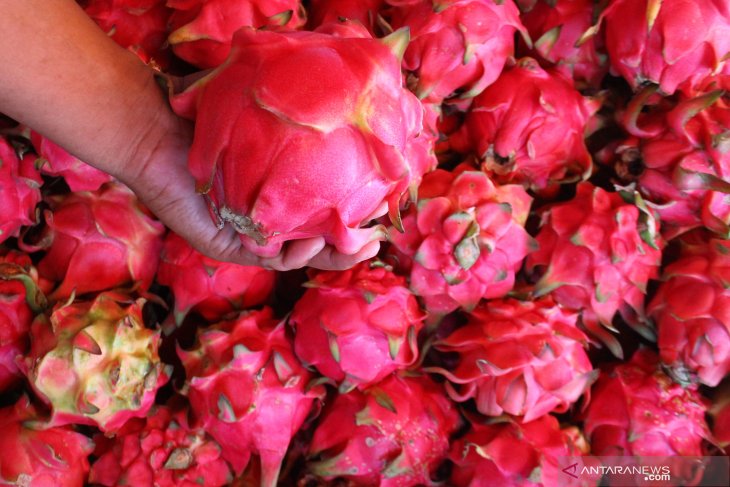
366	317
202	30
95	363
55	161
597	253
20	300
394	433
163	451
636	409
137	25
667	42
464	240
209	287
515	454
457	46
557	27
248	390
690	311
35	455
320	157
97	241
522	358
529	127
19	191
365	12
680	161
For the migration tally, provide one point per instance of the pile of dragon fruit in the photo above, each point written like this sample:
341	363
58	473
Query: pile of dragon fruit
549	181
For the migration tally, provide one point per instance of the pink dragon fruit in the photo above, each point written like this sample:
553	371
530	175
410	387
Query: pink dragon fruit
465	238
163	451
320	157
690	311
202	30
365	12
20	300
209	287
248	390
35	455
597	253
457	46
683	165
521	358
366	317
515	454
667	42
55	161
97	241
95	363
636	409
395	433
19	191
137	25
528	127
557	27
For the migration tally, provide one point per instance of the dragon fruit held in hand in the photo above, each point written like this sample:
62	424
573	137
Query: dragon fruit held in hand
37	455
304	134
357	326
95	362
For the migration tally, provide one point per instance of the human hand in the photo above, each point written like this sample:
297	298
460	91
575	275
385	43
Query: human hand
159	176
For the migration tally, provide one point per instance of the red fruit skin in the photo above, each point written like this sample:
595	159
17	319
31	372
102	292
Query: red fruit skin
161	450
528	127
202	30
456	45
248	390
349	138
95	363
207	286
55	161
515	454
555	28
394	433
521	358
684	160
19	191
669	43
365	12
98	241
17	309
694	333
598	254
137	25
464	241
636	409
38	456
357	326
